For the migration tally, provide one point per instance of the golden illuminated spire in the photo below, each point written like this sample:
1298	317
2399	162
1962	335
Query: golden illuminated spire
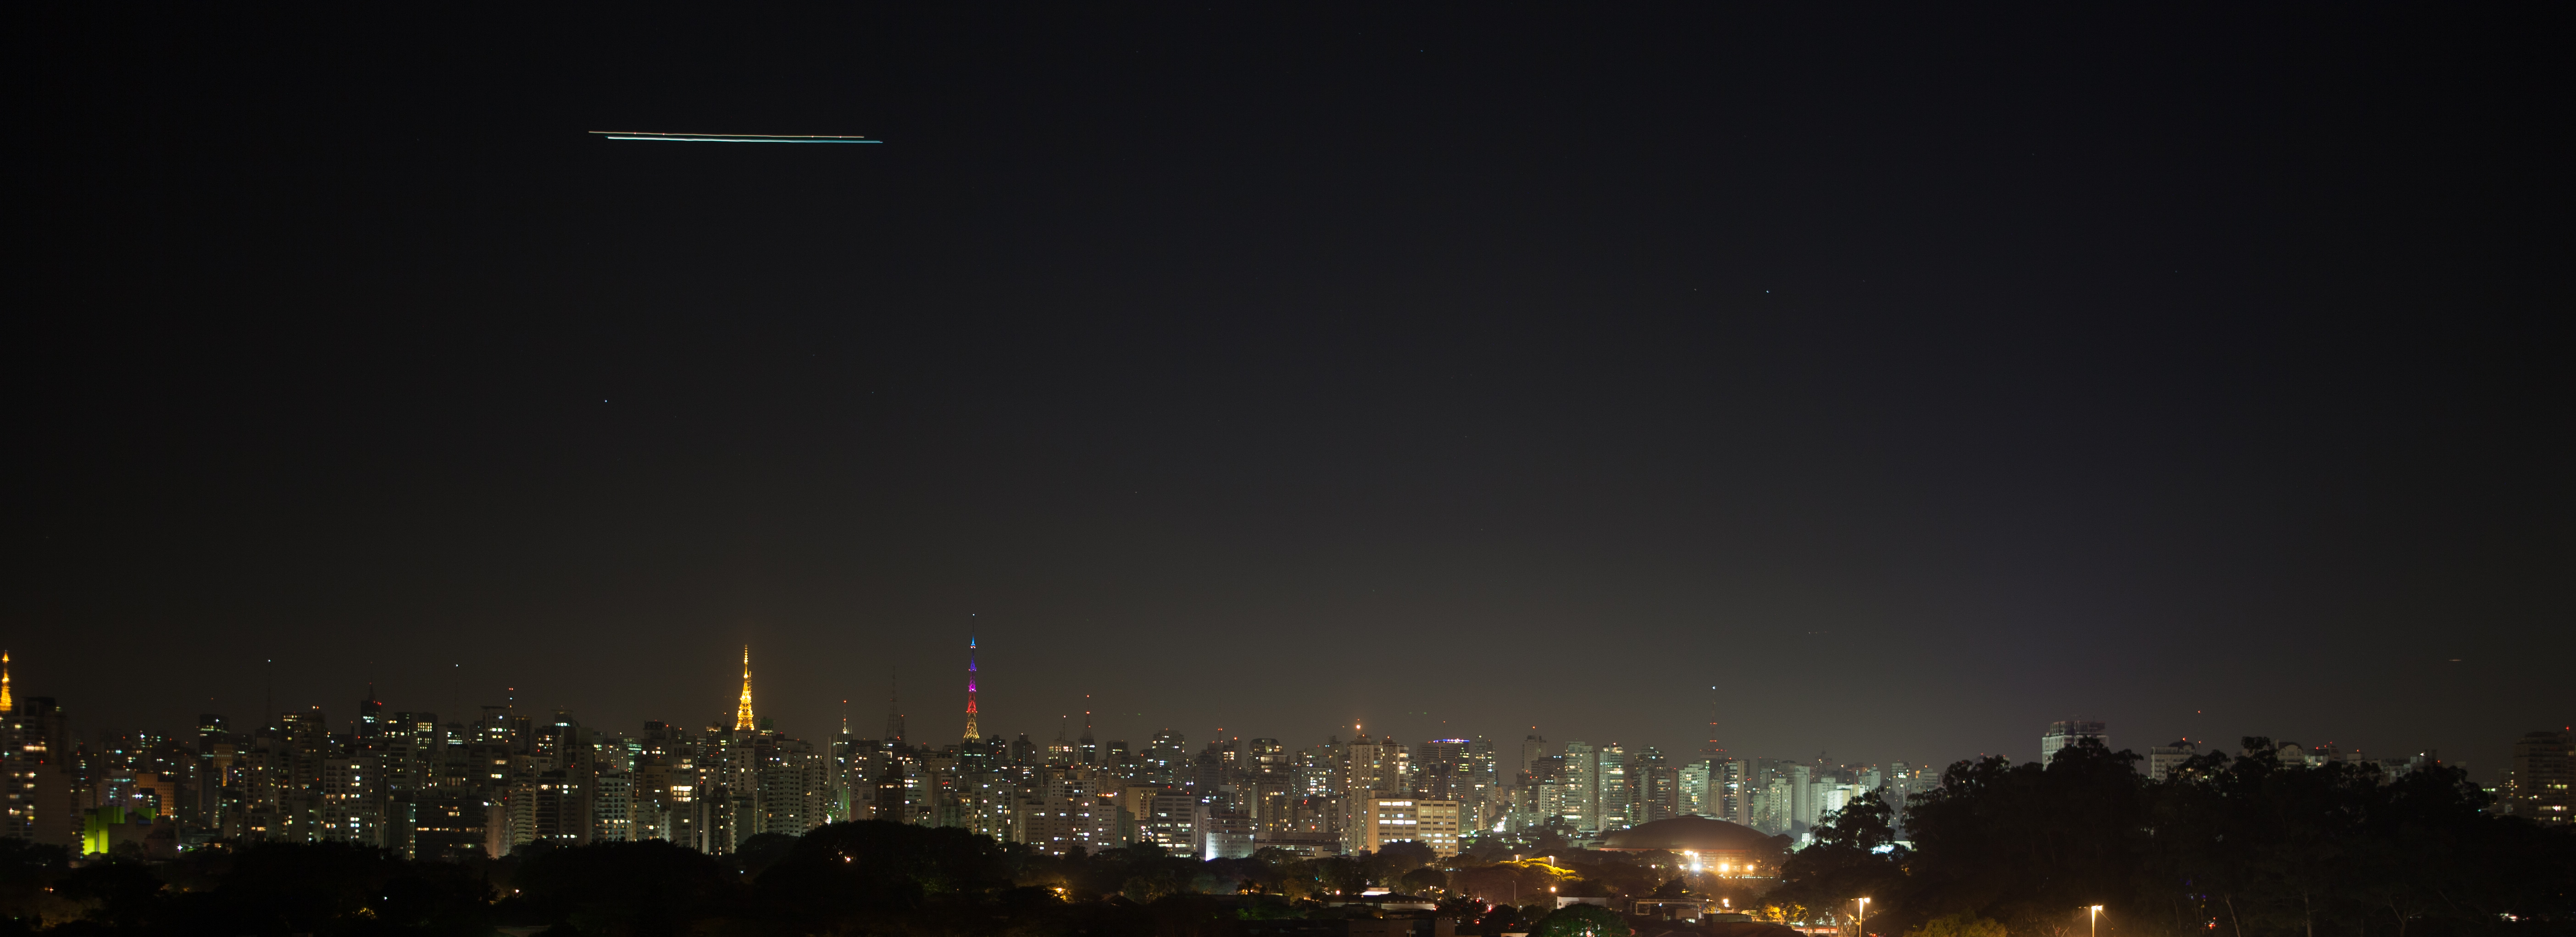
742	720
8	703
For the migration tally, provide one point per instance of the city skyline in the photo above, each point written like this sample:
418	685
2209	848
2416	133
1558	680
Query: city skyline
1143	726
500	779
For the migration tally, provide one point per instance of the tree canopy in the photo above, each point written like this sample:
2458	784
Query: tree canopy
2240	845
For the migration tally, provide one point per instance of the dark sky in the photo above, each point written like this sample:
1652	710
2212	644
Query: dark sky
1912	379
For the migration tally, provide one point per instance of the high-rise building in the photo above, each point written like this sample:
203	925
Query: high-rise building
894	712
1376	767
1439	768
371	723
1658	786
2066	732
1481	794
2163	759
1712	751
1581	805
1731	790
37	787
1691	794
1164	757
1802	798
1317	775
1382	820
1615	791
1533	748
2542	772
1266	757
1171	819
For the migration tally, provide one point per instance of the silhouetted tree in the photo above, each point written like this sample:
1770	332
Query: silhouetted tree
1844	863
2024	844
119	893
874	876
638	889
1582	920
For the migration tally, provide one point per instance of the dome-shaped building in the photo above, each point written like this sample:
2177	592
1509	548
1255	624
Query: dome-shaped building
1729	849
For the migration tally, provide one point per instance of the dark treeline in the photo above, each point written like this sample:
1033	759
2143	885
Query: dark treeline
847	878
2228	846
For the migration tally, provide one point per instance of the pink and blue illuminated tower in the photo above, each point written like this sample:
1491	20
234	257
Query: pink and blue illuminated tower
971	734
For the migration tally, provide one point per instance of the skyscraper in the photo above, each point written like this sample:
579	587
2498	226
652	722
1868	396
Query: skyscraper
1376	766
1712	751
1583	774
971	733
894	711
2065	732
2163	759
1440	769
742	718
2543	773
1087	751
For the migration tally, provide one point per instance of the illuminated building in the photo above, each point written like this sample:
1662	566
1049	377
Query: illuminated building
1378	767
2163	759
1730	791
1165	754
2540	775
1580	803
1171	819
350	808
1228	835
37	788
612	808
1064	809
450	828
1692	796
2066	732
1461	770
1616	801
1378	821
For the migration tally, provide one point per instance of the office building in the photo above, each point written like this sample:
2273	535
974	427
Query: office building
2539	776
1382	820
2067	732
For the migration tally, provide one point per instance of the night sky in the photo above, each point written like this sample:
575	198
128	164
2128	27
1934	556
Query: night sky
1913	380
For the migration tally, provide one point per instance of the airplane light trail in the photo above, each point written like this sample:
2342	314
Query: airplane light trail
725	137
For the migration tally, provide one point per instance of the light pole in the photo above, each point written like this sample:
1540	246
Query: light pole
2093	920
1861	922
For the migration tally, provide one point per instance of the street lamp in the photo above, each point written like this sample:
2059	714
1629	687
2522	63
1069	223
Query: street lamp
1860	923
2094	920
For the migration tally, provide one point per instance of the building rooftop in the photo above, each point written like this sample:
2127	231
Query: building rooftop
1698	834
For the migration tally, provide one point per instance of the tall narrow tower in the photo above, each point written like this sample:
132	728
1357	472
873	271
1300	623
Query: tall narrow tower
8	703
1714	752
742	720
894	711
971	734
